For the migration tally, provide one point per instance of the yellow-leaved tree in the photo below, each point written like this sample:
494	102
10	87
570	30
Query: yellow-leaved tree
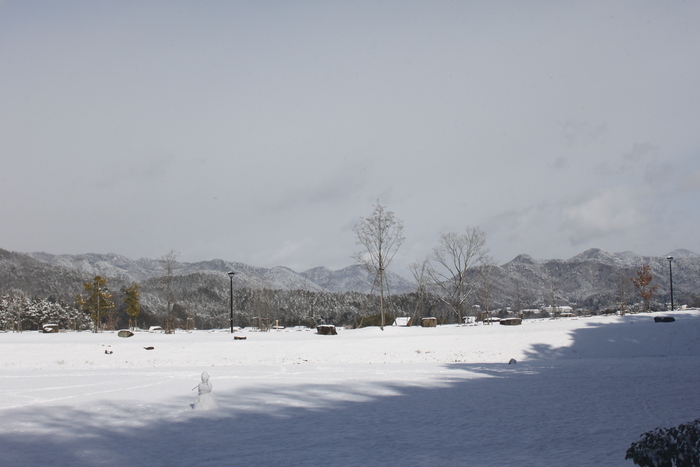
97	301
133	303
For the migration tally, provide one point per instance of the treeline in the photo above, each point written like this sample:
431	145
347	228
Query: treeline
19	313
204	308
203	302
199	301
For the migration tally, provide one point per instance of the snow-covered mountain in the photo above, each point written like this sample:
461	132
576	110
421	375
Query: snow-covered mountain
681	253
593	279
352	278
108	265
355	278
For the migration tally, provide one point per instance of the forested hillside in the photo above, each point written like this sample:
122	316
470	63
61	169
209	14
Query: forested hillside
592	281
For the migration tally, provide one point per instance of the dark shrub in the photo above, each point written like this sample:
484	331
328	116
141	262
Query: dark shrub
664	319
673	447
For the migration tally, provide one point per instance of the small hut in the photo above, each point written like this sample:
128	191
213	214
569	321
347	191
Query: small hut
403	321
326	330
429	322
511	321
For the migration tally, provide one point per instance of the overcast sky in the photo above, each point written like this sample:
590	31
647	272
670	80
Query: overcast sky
262	131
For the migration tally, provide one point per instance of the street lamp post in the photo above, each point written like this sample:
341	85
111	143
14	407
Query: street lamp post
670	276
231	274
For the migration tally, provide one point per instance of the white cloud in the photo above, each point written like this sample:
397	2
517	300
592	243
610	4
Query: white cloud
604	213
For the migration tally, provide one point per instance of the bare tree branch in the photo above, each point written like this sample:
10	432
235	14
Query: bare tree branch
380	235
451	260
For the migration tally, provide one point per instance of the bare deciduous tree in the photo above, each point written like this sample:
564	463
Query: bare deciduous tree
313	298
484	286
419	270
380	235
623	289
169	261
523	297
451	260
553	299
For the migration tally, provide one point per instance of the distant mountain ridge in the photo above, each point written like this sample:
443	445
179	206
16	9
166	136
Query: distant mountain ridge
352	278
593	279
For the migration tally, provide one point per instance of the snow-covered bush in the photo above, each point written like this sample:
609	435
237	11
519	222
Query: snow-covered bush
673	447
18	313
14	307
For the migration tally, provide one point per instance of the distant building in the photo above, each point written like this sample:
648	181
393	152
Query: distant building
562	310
402	321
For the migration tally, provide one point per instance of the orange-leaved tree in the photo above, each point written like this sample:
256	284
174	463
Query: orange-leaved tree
642	282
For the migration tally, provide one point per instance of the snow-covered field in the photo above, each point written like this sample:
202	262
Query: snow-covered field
581	392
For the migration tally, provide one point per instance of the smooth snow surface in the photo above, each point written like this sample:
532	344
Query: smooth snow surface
581	392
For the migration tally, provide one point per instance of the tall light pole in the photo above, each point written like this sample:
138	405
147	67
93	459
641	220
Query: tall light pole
670	275
231	274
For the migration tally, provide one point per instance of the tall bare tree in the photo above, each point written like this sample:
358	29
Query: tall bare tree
419	270
313	297
485	285
380	235
553	298
522	298
623	289
169	261
451	261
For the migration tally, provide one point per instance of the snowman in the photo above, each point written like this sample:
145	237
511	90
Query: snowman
205	399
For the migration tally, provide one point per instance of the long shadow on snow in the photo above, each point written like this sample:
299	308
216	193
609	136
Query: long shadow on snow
630	336
560	408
